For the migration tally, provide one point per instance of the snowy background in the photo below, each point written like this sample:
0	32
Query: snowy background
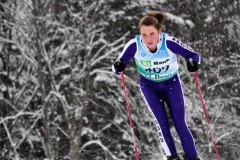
60	101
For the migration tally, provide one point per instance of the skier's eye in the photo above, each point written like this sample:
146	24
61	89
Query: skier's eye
152	33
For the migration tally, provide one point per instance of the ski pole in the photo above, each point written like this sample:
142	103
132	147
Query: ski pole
206	115
129	117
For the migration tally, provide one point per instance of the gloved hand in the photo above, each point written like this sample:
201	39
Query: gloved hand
192	66
119	65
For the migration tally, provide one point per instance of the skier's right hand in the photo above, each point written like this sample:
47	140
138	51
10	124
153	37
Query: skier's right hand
119	66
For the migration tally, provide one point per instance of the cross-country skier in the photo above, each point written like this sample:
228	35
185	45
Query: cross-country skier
155	54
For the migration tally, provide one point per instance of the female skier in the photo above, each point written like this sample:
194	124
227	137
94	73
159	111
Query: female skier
155	54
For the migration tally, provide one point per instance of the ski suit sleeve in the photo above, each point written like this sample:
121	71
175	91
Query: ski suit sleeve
127	54
183	50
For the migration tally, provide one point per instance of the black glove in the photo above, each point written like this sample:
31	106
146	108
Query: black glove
192	66
119	65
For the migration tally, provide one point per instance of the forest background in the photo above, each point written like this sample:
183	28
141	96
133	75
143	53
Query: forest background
60	100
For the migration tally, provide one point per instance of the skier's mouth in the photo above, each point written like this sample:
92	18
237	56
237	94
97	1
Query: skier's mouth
150	43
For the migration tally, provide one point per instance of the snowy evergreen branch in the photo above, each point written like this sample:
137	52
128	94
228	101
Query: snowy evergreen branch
20	114
10	139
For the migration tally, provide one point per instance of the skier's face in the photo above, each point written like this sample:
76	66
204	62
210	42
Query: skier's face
150	36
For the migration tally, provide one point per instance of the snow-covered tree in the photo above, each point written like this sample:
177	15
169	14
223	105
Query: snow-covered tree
60	100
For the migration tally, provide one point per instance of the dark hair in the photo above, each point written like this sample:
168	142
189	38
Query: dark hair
155	19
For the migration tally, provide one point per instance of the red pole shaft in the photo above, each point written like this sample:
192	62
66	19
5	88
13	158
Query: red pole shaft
129	117
206	115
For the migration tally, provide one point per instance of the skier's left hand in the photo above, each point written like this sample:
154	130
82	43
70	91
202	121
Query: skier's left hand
192	66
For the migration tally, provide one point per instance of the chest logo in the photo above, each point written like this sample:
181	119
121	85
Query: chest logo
143	54
146	63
